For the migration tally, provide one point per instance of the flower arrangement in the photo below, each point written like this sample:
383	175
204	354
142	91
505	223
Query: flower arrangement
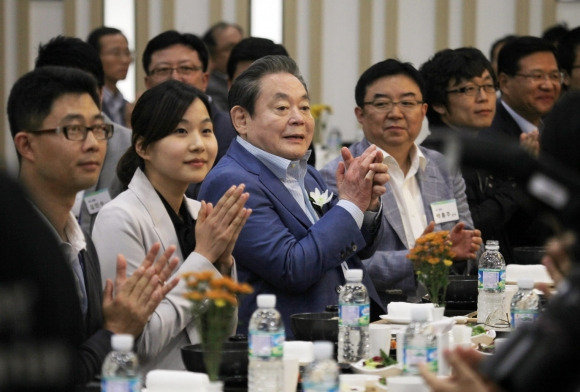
432	257
214	305
318	110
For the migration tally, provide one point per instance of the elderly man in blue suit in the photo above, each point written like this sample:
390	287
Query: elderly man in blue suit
423	194
290	247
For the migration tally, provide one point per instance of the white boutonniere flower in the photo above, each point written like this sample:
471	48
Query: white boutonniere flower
320	199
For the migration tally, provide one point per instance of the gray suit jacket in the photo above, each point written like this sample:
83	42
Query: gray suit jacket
388	267
116	147
130	224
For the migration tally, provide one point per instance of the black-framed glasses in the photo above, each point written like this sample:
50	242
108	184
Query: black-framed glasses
80	132
184	70
386	105
539	76
473	90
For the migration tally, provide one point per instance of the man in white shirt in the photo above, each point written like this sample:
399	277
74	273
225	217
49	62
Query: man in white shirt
422	194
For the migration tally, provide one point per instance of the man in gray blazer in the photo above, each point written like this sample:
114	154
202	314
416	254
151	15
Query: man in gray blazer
423	195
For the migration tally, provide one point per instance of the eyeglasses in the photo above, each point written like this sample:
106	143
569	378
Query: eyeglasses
183	70
80	132
471	91
385	105
119	53
539	76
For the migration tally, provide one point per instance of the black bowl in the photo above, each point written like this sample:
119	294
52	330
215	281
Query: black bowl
461	296
529	254
315	326
234	365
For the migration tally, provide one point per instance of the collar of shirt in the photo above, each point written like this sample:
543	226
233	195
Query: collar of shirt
75	234
281	167
290	173
418	160
524	124
73	231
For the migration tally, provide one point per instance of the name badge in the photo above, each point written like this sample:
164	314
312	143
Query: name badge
96	200
445	211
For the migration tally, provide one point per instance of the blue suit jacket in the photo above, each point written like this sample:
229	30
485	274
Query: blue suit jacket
389	268
279	251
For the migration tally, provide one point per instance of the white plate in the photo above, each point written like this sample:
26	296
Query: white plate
395	319
388	371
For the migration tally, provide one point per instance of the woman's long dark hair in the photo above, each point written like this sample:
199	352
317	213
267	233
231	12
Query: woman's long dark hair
156	115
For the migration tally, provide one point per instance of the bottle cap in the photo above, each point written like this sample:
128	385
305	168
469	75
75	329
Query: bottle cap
266	300
122	342
323	350
419	313
491	244
353	275
525	283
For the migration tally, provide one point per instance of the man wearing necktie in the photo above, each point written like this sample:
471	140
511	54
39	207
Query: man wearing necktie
286	248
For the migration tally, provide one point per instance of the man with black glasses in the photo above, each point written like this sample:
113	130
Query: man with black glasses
61	139
530	82
422	195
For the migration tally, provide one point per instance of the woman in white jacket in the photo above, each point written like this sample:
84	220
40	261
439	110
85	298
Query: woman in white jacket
173	145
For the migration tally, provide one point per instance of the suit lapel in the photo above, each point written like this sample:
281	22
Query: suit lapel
162	224
393	214
269	180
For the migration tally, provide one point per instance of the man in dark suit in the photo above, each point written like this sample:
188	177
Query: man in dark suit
61	138
287	247
530	83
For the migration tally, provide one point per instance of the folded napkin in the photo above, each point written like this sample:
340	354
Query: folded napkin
301	350
176	381
403	309
536	272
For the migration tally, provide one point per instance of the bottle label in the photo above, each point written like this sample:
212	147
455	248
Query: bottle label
491	279
413	356
118	384
354	315
523	316
264	344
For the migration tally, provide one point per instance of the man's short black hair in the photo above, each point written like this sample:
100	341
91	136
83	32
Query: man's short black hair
209	37
170	38
500	41
252	49
512	52
389	67
33	95
94	38
71	52
451	65
569	46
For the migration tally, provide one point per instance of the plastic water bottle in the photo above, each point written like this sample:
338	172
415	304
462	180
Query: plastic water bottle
491	276
353	319
334	140
266	347
120	372
525	306
419	343
322	374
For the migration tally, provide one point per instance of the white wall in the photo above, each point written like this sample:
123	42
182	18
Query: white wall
416	21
